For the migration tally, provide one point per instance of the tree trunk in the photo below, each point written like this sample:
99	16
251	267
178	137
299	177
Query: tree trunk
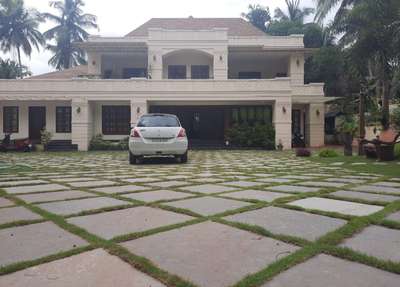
348	141
362	122
19	63
385	101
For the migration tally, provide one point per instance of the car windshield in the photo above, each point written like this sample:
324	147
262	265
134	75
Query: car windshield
158	121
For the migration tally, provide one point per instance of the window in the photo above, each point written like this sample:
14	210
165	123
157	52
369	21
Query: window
249	75
158	121
116	120
63	119
200	72
10	120
177	72
134	73
251	115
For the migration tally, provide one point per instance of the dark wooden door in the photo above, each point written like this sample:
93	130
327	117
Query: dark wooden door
37	121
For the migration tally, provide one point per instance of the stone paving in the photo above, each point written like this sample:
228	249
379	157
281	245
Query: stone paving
221	217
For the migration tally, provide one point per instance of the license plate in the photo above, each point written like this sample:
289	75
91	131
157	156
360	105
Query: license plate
159	140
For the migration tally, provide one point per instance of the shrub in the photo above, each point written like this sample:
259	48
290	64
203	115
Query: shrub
397	151
244	135
303	152
396	118
328	153
98	143
45	137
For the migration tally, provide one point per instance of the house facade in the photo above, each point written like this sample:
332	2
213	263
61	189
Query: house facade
211	72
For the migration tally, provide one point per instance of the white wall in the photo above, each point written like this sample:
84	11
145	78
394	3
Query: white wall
23	113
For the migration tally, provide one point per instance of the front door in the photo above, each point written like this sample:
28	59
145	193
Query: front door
37	121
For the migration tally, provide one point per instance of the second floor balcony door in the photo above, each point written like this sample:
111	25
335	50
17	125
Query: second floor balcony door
177	72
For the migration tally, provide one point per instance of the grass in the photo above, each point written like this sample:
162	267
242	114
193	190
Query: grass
327	244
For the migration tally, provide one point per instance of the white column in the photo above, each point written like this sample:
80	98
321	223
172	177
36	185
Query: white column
316	125
283	123
138	108
155	64
220	64
296	68
82	123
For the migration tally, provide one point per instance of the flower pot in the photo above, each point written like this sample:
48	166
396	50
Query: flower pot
348	144
39	148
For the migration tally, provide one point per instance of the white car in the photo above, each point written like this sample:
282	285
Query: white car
158	135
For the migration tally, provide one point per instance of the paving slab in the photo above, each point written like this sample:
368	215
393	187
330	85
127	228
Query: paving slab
79	205
377	241
208	205
74	179
92	268
329	271
289	222
54	196
339	206
235	253
298	177
377	189
92	183
166	184
150	196
387	183
322	183
11	214
241	183
294	188
345	180
22	182
208	188
4	202
141	179
114	223
120	189
394	216
365	196
34	241
207	180
275	180
35	188
256	195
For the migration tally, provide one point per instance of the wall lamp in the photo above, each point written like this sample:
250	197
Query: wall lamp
138	110
318	113
154	58
221	58
284	110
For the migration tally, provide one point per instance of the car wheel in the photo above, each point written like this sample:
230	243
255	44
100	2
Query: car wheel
184	158
132	158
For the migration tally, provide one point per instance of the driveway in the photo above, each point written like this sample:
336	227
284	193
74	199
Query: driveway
224	219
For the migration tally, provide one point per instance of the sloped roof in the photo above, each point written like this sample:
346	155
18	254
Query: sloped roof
235	26
64	74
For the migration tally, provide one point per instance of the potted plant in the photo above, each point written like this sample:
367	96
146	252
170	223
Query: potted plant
348	129
45	138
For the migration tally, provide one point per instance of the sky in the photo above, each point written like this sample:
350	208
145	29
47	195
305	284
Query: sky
119	17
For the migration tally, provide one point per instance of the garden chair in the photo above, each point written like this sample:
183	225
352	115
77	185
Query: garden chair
383	146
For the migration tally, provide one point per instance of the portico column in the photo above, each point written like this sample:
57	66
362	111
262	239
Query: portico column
220	64
155	64
283	123
82	123
138	108
316	125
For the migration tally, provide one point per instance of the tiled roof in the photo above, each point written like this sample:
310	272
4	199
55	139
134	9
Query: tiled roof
64	74
235	26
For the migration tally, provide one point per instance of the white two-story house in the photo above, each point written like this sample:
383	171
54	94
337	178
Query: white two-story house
211	72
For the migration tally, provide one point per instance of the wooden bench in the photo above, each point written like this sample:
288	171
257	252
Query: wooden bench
383	146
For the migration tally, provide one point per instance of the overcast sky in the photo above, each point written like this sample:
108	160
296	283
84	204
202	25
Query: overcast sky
119	17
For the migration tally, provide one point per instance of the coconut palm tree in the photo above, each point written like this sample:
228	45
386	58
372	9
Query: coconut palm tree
19	29
295	13
70	27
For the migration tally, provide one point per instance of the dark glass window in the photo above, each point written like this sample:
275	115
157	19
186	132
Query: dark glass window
10	119
249	75
296	122
177	72
200	72
116	120
330	125
134	73
63	119
251	115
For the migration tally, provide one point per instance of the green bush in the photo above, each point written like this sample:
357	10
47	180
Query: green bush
328	153
244	135
98	143
397	151
396	117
